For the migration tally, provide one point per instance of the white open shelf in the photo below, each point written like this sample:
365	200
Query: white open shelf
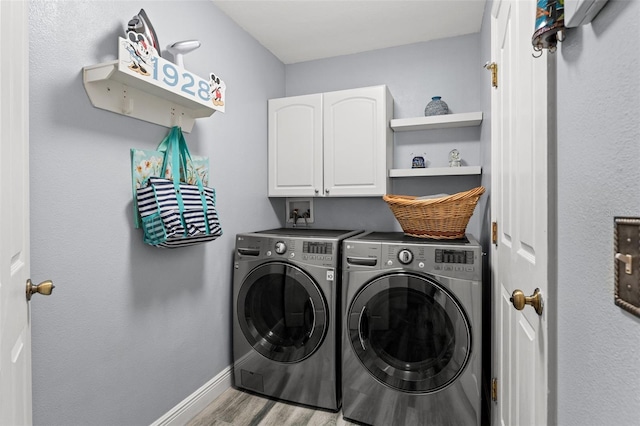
169	96
466	119
116	91
436	171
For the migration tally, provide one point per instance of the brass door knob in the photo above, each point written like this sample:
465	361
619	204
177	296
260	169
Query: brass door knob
45	288
519	300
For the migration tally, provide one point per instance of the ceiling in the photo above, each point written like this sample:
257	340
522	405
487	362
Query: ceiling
304	30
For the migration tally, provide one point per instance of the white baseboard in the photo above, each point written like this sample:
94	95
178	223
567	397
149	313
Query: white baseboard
197	401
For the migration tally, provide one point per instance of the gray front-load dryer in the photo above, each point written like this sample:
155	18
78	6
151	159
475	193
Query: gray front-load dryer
286	319
412	330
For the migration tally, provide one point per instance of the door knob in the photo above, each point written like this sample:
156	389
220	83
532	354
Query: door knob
519	300
45	288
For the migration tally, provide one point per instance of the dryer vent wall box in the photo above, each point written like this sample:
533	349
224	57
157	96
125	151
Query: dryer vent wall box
581	12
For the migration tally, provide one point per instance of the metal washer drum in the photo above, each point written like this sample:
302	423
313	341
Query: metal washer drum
262	327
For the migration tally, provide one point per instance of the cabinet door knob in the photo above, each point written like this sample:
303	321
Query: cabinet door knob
317	191
326	191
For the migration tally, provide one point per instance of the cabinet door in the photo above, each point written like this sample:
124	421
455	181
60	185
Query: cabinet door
295	146
357	140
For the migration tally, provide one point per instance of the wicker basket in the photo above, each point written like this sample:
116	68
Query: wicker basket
444	218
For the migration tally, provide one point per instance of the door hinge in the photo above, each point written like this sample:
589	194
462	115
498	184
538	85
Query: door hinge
494	389
493	67
494	233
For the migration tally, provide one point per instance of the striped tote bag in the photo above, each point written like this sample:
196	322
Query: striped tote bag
175	213
166	224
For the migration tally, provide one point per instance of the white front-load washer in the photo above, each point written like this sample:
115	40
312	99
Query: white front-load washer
412	330
286	322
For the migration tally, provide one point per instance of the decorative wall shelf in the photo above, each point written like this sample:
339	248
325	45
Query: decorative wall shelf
466	119
161	93
446	121
436	171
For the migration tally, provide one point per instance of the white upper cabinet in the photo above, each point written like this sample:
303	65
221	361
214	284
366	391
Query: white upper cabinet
357	141
331	144
295	146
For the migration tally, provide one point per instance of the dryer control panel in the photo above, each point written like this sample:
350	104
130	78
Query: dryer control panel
463	261
454	256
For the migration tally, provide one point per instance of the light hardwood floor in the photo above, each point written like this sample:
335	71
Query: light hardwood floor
239	408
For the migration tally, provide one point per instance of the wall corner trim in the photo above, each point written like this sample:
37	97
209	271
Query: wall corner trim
197	401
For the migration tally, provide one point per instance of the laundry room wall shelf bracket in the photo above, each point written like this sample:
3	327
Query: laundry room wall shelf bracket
152	89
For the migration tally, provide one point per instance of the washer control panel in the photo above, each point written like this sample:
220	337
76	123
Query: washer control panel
307	251
317	247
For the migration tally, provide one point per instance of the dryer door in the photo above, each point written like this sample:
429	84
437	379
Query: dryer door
409	332
282	312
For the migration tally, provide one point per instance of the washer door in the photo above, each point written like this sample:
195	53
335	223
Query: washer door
409	332
282	312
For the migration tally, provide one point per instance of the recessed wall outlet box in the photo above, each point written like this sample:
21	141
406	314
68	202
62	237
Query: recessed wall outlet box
626	254
299	211
581	12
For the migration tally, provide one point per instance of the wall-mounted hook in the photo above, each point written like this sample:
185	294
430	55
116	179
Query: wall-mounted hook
127	103
176	118
549	26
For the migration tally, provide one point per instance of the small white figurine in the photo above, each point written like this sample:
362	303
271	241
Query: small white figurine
454	158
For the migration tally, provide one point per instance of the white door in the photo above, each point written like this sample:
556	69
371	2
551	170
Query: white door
520	207
295	146
15	331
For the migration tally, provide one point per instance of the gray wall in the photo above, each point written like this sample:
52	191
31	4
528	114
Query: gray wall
451	68
132	330
598	178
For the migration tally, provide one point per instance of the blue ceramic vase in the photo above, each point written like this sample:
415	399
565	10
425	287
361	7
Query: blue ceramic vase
436	107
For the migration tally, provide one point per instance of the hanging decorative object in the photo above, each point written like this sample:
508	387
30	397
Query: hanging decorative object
549	25
436	107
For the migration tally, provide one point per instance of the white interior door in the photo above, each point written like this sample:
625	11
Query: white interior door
15	331
520	207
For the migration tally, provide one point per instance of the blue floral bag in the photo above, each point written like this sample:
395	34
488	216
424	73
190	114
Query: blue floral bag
147	163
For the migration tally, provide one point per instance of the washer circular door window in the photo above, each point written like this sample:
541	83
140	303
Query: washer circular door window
409	332
282	312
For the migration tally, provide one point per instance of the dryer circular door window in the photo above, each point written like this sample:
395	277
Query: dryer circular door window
282	312
409	332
